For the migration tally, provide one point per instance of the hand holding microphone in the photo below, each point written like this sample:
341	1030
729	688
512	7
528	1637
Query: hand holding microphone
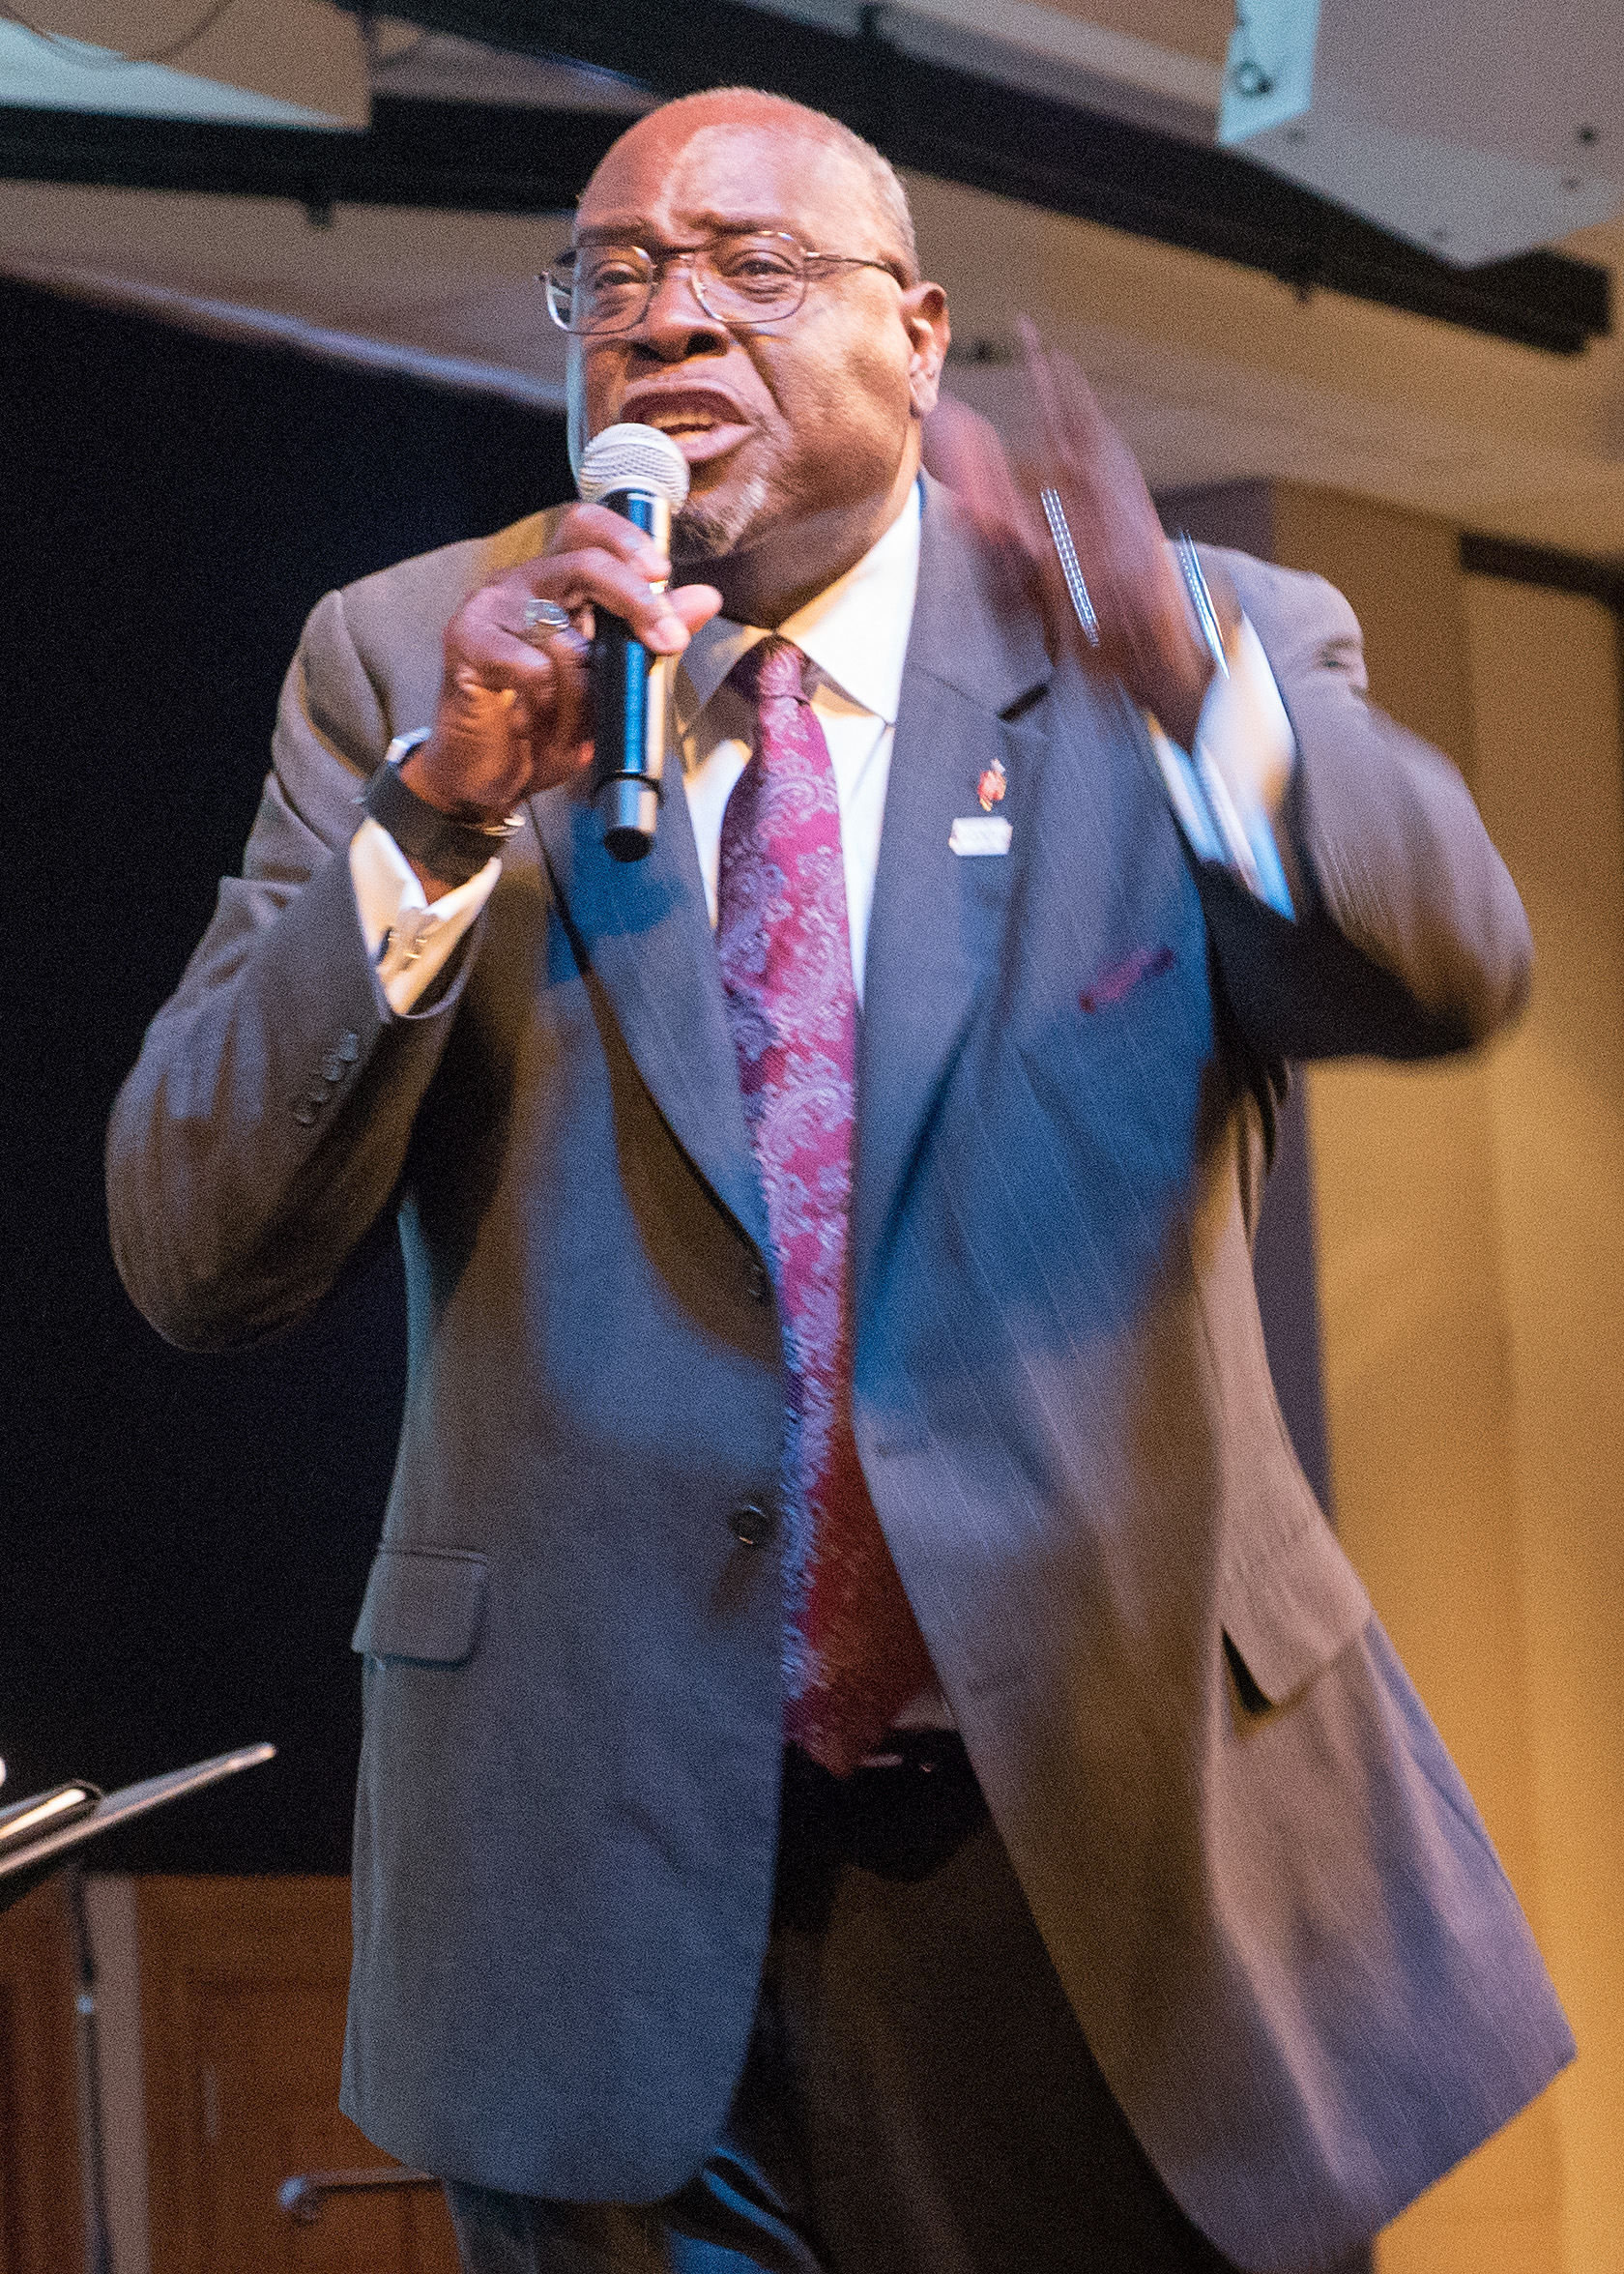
514	714
640	473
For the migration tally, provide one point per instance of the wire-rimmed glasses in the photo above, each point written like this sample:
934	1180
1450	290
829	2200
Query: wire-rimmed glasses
740	280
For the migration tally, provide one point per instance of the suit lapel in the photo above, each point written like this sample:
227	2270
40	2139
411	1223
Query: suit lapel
937	916
642	931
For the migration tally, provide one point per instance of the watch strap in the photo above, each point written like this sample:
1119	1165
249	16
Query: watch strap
447	847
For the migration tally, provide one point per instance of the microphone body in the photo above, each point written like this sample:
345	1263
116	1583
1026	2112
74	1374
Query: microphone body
630	694
640	473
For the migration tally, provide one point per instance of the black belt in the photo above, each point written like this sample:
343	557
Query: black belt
902	1815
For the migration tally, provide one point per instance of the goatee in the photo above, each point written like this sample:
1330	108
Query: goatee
703	531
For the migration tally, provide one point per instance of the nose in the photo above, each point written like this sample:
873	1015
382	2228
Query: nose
676	320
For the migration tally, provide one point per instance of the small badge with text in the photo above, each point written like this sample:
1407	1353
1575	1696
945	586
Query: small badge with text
974	836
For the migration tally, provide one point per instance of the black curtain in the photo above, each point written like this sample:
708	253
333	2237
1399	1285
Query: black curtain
186	1540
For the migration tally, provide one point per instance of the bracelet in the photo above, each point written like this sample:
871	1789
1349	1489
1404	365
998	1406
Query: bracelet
447	847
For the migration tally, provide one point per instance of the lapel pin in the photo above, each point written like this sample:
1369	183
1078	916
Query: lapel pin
991	787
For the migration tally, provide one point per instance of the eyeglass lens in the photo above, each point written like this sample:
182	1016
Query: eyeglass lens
738	279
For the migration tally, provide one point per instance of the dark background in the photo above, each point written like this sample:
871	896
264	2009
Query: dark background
185	1540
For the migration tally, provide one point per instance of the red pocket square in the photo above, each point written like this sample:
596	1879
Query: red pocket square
1145	963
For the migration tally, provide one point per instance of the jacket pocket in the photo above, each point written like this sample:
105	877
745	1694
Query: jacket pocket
424	1606
1291	1609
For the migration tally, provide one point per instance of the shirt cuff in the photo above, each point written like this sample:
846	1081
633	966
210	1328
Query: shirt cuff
1229	796
408	940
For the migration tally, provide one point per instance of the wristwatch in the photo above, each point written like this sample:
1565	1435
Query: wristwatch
447	847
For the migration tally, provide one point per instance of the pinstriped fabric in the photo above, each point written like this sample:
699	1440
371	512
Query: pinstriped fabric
852	1652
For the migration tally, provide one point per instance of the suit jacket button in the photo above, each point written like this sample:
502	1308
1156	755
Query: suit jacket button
348	1047
333	1068
757	1285
304	1110
752	1526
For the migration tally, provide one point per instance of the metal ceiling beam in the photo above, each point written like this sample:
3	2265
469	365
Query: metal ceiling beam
1546	565
993	136
939	121
458	156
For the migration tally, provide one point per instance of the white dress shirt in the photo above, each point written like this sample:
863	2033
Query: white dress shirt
854	636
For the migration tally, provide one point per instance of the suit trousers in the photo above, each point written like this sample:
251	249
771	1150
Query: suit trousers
918	2097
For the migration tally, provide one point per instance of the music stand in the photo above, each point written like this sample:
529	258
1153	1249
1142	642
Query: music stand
45	1832
29	1854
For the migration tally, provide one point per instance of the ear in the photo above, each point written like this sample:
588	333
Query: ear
924	317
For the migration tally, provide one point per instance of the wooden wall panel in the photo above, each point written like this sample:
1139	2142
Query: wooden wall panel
40	2206
243	1988
1420	1373
1551	761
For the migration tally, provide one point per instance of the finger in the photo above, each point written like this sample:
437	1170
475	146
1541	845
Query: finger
1099	465
512	692
1088	626
695	605
566	722
598	578
1078	404
539	673
496	718
1109	508
476	712
1041	381
966	454
1068	630
1082	453
571	759
954	442
1143	633
964	451
584	529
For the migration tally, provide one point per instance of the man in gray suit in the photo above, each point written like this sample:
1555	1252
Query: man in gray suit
1115	1902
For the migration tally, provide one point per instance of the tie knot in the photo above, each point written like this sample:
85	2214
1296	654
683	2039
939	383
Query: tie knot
771	669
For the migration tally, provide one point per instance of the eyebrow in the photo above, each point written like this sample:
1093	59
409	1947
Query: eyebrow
621	227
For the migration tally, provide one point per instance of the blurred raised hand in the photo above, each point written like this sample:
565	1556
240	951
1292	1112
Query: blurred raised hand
1147	635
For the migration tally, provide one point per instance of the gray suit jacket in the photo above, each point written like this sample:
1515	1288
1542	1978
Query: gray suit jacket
1261	1882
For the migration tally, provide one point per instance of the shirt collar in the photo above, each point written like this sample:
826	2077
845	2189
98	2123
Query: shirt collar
854	631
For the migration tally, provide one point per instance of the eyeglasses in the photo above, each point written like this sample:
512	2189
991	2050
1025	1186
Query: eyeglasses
743	281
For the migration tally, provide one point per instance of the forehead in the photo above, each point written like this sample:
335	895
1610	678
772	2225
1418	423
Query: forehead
673	182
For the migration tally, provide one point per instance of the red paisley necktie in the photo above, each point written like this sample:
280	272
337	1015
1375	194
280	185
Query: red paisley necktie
852	1652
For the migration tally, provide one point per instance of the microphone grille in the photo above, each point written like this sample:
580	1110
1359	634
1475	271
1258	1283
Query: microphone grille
633	458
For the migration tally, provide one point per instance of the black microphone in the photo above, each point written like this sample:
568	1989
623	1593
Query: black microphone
640	473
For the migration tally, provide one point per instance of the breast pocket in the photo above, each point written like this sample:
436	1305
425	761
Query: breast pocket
423	1606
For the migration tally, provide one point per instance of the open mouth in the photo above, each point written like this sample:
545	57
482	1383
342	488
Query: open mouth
703	426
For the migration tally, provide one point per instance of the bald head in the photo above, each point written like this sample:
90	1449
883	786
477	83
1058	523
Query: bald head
875	188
